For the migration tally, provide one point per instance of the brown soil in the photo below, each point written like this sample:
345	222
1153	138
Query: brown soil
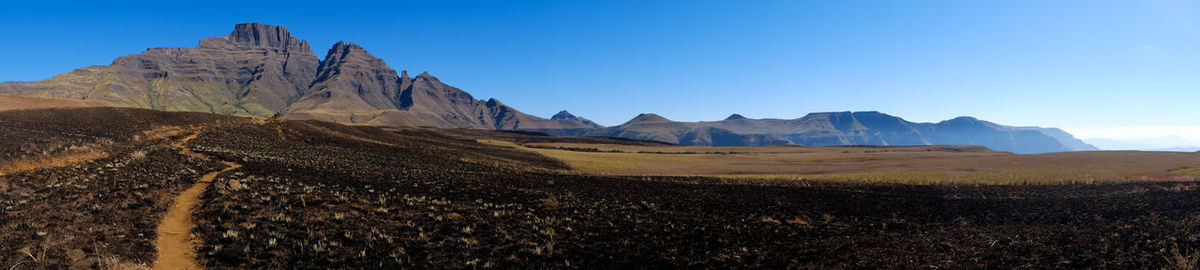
174	243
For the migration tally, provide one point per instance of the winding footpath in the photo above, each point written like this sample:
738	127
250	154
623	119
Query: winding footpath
173	241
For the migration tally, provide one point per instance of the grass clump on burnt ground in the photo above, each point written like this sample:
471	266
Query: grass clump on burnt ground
314	198
93	212
421	201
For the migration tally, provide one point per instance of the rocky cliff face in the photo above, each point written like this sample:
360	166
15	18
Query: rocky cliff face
840	128
263	70
255	70
350	82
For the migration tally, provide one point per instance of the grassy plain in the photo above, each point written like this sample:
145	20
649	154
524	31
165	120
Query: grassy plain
10	102
904	164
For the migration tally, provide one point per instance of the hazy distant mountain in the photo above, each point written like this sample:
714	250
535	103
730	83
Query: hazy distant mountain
1064	138
1177	149
263	70
1167	143
841	128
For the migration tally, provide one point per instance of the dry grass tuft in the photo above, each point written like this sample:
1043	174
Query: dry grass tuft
1186	260
52	161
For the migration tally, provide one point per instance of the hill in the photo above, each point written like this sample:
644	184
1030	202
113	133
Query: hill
840	128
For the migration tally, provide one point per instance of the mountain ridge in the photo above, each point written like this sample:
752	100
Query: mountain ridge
264	70
840	128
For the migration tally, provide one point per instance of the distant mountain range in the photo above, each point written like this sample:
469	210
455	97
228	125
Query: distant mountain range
1168	143
263	70
840	128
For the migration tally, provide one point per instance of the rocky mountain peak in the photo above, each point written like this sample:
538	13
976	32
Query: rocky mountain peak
648	118
491	102
349	53
264	35
568	117
735	117
426	76
563	115
343	48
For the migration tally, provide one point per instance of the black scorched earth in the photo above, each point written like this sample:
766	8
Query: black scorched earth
87	188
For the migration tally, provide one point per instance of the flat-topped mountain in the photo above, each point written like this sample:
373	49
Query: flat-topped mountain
255	70
263	70
840	128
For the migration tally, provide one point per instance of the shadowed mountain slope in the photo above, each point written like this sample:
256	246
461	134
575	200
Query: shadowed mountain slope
263	70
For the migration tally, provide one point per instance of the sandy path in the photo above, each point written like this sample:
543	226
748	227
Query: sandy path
176	250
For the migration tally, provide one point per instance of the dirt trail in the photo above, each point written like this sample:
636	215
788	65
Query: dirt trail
176	250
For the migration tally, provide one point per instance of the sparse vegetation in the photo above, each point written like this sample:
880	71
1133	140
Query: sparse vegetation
328	195
87	207
907	164
576	149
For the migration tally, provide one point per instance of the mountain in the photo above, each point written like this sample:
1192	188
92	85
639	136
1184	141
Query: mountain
263	70
567	116
1065	138
1178	149
1165	143
840	128
256	70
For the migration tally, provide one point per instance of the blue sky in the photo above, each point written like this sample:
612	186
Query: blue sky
1097	68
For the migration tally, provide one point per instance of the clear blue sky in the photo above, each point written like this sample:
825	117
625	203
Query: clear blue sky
1080	65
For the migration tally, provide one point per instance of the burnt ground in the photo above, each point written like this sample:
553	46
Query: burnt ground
319	195
96	212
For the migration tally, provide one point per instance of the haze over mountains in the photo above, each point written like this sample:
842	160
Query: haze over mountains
1166	143
263	70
